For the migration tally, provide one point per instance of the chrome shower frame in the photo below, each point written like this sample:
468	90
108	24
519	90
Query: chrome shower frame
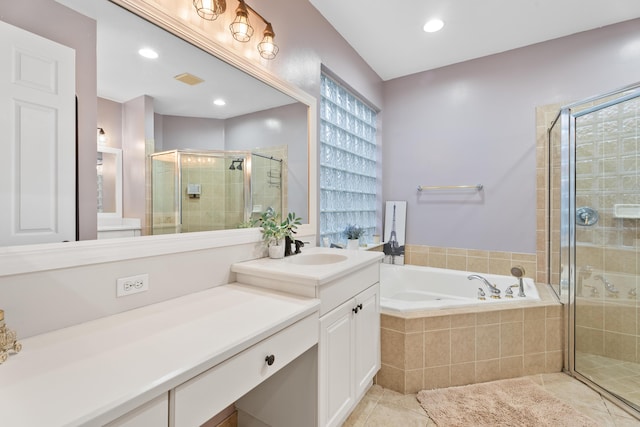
566	120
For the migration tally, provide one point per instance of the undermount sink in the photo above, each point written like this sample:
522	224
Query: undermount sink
316	259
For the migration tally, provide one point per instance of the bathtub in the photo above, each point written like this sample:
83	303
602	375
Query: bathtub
411	288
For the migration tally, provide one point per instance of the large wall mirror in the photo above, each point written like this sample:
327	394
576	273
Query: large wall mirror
205	146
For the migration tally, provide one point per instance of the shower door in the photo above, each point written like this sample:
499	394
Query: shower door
599	223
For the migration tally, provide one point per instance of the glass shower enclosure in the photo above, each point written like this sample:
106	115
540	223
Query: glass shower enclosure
594	212
212	190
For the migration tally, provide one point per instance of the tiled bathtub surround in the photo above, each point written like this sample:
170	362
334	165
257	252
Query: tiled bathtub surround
479	261
443	348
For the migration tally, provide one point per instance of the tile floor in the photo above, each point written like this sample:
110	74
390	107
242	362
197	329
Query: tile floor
385	408
617	376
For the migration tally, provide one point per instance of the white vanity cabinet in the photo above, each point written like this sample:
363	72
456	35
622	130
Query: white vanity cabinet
349	327
176	363
349	354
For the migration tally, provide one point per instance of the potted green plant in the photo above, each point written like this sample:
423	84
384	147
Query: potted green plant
275	230
353	234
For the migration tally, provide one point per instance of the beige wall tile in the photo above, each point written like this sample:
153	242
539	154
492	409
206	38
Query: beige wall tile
487	370
478	265
553	361
535	363
512	315
487	317
511	367
511	339
534	313
392	348
437	377
414	325
534	336
457	262
463	374
414	381
392	322
437	348
461	320
437	322
391	378
488	342
555	334
414	351
463	344
437	260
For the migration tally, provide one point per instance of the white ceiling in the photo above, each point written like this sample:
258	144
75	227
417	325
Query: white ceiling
124	75
389	35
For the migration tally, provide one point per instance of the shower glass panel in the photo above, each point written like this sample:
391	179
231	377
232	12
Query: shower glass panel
214	190
266	184
199	191
165	203
599	185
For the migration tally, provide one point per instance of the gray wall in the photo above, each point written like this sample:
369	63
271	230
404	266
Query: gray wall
277	126
190	132
474	122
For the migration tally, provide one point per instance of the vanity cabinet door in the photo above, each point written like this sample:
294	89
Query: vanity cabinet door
367	338
349	354
337	356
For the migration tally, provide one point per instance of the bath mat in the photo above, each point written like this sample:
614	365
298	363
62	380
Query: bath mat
517	402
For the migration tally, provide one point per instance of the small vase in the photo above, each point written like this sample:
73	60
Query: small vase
353	244
276	251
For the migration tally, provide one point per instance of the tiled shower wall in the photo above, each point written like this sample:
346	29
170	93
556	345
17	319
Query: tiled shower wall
606	174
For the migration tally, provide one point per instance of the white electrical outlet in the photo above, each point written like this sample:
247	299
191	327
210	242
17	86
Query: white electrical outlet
132	285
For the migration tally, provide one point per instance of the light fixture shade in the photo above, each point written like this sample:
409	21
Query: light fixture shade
210	9
240	28
267	48
102	136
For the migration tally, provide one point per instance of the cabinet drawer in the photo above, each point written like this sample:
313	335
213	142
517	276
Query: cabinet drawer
154	413
205	395
337	292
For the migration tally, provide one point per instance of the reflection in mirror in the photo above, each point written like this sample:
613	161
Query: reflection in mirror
146	106
109	180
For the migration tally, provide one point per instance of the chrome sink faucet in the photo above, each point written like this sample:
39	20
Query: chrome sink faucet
495	292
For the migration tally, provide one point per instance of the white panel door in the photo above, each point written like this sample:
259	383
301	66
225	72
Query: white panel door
37	130
335	365
367	338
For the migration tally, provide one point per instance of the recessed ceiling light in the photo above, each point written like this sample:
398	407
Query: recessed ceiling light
148	53
433	25
220	102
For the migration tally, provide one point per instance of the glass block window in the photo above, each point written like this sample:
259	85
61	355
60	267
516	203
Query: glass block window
347	163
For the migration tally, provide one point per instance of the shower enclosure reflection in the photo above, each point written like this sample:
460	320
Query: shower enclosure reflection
595	163
214	190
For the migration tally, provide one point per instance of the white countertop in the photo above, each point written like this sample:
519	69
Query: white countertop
311	275
93	372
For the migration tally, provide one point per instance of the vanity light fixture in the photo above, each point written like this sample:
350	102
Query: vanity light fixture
102	136
240	28
210	9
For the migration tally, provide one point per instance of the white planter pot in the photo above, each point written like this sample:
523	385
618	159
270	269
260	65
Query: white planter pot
276	251
353	244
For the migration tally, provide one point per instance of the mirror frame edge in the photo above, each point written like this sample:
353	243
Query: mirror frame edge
48	256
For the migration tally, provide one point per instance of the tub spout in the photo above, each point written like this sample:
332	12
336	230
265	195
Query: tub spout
495	292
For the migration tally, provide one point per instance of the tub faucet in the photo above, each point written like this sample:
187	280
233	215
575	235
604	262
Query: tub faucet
518	272
495	292
611	290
